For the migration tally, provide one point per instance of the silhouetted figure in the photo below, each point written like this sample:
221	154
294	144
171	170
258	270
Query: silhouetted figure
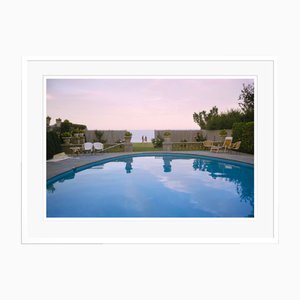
146	139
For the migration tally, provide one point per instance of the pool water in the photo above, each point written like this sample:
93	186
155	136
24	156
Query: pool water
154	186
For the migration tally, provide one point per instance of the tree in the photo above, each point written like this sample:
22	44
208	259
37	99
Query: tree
247	104
213	113
202	118
53	144
213	120
227	119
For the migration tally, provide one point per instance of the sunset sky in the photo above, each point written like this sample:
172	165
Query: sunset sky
139	103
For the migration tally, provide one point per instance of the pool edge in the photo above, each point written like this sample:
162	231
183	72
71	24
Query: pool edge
241	159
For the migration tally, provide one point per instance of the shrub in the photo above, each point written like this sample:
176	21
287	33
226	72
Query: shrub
128	133
76	130
67	126
213	120
157	142
99	135
66	134
199	137
79	126
223	133
53	144
244	132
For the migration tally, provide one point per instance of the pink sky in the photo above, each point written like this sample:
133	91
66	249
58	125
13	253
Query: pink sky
139	103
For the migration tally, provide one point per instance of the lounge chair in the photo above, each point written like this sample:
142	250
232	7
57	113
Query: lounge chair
226	145
98	147
208	144
235	146
88	147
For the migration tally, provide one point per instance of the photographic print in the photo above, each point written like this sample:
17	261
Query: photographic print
150	147
148	150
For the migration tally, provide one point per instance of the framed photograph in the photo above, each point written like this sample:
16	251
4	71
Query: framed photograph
148	150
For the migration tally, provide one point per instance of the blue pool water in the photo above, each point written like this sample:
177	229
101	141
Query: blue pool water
154	185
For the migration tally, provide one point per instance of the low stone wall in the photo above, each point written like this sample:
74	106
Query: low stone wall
213	135
111	136
178	135
108	148
189	135
67	148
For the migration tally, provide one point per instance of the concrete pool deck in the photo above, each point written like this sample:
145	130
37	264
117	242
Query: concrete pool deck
57	167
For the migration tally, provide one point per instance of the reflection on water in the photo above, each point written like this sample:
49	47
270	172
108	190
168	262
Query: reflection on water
128	166
70	175
242	177
50	188
128	163
154	186
167	164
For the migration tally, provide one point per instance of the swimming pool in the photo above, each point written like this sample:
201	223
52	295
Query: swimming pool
154	185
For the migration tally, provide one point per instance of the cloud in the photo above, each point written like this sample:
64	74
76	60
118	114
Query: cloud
172	184
139	103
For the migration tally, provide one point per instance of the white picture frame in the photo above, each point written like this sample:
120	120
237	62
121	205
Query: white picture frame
36	228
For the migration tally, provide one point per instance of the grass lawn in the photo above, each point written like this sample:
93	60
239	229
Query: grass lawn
137	147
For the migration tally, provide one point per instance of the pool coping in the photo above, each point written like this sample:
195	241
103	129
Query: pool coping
59	167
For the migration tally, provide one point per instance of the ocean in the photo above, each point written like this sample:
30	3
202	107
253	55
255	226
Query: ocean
137	135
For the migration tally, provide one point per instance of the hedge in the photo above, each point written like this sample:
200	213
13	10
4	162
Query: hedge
53	144
244	132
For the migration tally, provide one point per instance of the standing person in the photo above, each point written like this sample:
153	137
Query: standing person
142	139
146	139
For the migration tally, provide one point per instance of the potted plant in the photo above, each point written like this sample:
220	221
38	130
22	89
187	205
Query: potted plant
81	133
127	136
76	132
58	122
48	121
223	133
66	136
167	136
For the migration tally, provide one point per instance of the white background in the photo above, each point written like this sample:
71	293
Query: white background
134	28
